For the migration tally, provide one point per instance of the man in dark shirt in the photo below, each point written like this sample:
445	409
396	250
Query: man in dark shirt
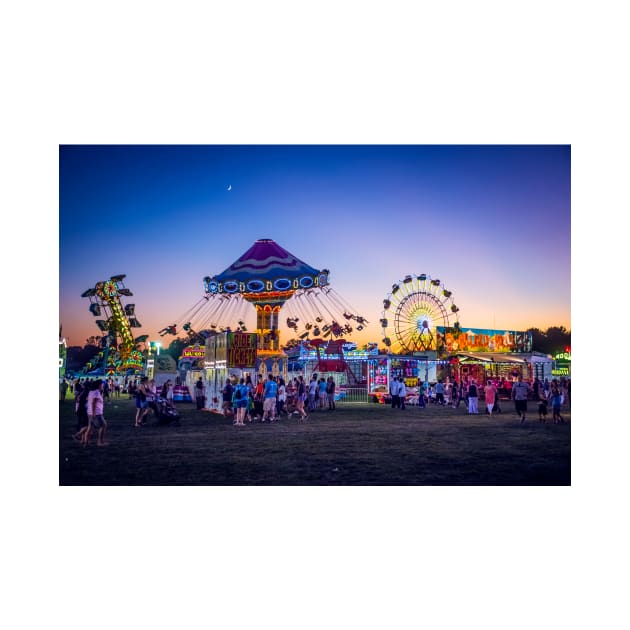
227	392
519	396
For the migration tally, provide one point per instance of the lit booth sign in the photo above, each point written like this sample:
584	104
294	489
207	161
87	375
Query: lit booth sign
562	363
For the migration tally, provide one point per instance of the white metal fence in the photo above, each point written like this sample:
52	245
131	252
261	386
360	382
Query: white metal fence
353	394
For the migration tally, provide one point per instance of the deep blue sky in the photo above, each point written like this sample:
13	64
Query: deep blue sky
492	222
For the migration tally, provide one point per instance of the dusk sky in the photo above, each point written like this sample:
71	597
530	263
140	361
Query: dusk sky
492	222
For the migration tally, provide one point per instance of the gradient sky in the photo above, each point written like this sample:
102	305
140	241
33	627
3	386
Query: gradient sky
492	222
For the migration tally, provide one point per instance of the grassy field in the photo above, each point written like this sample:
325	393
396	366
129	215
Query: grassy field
359	444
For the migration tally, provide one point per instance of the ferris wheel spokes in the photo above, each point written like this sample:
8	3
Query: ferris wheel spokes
415	307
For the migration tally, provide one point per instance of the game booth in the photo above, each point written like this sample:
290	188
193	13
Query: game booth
346	362
227	355
414	371
485	354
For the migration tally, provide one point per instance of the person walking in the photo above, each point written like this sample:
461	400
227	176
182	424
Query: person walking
312	393
269	402
536	387
95	415
542	406
454	394
227	394
556	405
463	394
258	398
240	400
394	390
142	403
490	392
402	393
321	387
169	392
301	398
473	398
282	397
448	393
80	409
520	390
330	393
63	390
200	394
439	393
421	402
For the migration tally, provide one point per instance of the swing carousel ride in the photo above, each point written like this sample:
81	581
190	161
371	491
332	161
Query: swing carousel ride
115	357
270	278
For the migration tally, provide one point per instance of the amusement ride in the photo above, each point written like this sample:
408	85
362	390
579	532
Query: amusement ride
413	310
120	354
270	278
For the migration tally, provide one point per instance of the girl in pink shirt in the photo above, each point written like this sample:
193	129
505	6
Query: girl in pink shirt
491	394
95	415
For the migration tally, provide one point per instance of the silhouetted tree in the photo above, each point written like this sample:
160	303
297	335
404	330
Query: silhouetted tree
176	346
77	356
554	339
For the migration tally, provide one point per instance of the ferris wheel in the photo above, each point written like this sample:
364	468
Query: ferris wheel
412	312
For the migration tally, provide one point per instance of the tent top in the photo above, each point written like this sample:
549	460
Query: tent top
266	260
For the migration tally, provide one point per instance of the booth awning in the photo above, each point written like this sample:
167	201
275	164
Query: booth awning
489	357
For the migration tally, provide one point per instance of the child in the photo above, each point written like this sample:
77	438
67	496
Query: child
542	406
556	403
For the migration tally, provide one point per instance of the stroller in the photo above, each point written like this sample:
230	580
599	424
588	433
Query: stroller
165	412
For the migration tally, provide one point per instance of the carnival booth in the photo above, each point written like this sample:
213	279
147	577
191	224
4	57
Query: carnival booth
228	355
190	368
414	371
500	367
562	364
344	361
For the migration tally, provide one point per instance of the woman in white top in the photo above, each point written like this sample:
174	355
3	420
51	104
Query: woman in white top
282	396
402	392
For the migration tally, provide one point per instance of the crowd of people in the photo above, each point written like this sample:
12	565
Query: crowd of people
272	398
90	395
468	391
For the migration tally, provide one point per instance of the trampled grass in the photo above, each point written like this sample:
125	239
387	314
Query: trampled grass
358	444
